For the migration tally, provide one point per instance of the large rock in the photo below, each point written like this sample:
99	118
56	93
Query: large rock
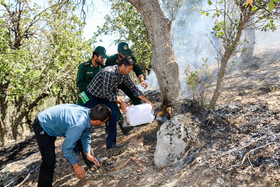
174	138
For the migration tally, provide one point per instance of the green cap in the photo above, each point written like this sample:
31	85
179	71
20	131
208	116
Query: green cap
124	49
101	50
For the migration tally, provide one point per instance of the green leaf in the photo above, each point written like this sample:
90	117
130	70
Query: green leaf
271	5
209	2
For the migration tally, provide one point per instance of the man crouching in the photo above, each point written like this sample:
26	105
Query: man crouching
74	122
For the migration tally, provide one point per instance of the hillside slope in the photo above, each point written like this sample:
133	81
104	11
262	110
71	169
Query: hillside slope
240	142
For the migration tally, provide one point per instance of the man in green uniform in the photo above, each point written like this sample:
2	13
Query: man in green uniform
89	69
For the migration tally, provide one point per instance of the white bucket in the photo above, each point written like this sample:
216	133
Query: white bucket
139	114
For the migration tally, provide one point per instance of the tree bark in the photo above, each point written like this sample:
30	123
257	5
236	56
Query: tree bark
163	60
229	50
25	113
4	127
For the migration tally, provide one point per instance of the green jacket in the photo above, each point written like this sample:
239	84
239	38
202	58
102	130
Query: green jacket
114	60
86	72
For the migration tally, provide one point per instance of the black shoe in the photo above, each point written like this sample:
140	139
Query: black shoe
125	130
115	149
115	146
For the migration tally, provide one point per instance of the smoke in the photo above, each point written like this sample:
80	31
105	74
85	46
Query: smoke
191	40
267	41
191	36
191	32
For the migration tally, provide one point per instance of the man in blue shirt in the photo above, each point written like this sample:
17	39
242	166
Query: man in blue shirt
74	122
101	90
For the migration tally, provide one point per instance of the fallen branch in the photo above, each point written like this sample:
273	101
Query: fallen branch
238	148
140	163
247	154
20	184
121	166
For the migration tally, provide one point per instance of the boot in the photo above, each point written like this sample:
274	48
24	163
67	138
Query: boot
125	130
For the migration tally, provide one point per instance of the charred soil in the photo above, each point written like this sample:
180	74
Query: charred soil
240	142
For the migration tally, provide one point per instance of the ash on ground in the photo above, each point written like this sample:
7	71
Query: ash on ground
239	142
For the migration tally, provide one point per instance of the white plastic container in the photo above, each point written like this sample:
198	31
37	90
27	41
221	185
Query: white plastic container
140	114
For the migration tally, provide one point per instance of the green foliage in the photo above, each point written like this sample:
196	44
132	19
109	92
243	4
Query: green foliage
271	6
45	62
227	21
5	66
127	22
197	81
230	20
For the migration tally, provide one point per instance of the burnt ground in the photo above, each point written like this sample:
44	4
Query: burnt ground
239	142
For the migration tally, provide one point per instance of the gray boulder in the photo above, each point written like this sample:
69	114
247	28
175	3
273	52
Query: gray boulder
174	138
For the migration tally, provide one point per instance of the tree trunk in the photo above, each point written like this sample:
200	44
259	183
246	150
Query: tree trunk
229	50
4	127
25	113
163	60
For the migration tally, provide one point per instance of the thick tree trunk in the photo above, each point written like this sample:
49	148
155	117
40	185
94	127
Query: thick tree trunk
163	60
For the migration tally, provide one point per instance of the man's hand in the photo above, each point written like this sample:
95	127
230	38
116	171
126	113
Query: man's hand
119	99
142	81
123	105
92	159
79	171
144	84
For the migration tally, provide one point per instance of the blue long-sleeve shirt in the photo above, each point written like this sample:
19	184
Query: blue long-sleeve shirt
71	121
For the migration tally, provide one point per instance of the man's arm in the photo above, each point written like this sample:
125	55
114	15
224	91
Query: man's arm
72	135
86	141
67	149
129	83
80	78
136	68
123	105
143	98
107	86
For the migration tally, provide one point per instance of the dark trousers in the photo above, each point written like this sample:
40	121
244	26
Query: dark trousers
47	149
111	129
129	93
79	150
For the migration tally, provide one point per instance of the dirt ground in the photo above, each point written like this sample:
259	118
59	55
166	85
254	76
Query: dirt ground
240	142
